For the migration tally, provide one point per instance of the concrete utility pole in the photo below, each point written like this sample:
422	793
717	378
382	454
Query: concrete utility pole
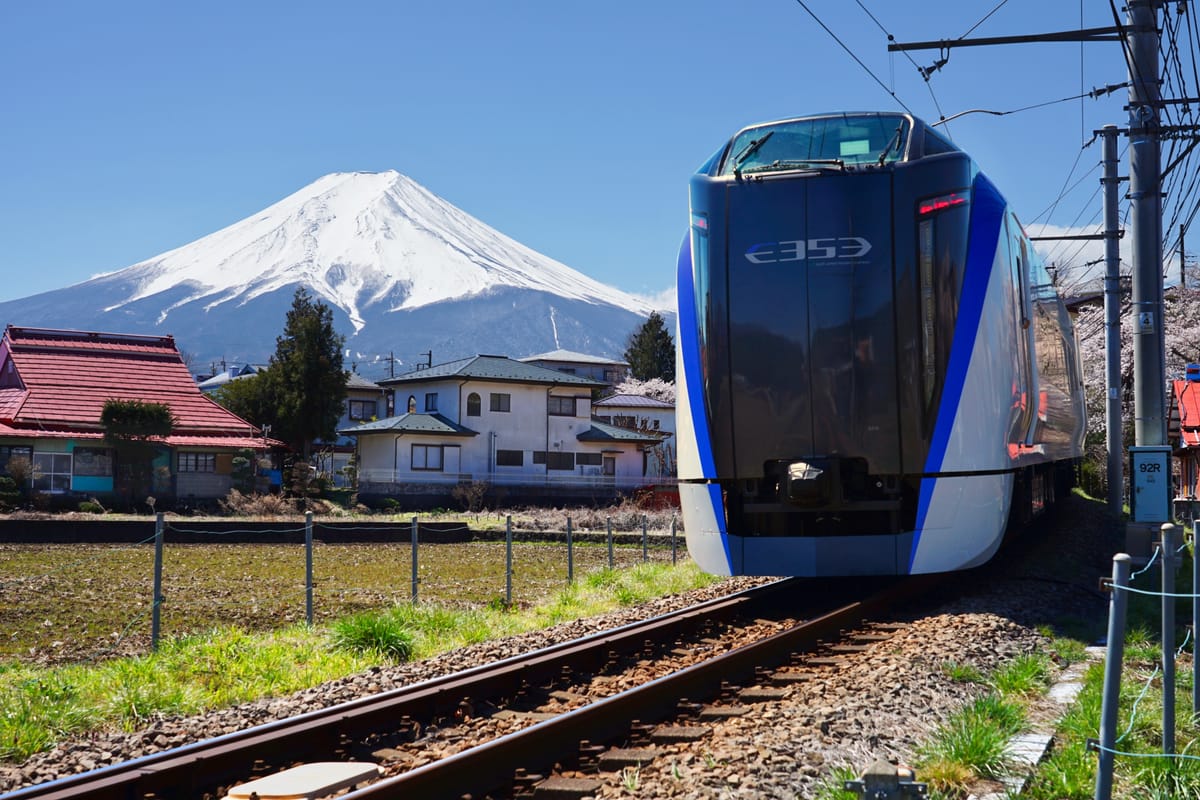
1112	321
1149	406
1182	262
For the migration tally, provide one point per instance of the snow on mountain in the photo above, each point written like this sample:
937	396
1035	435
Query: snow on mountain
358	239
404	272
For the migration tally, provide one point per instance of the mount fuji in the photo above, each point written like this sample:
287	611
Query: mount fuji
403	271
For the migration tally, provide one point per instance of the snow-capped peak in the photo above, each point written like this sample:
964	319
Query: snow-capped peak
358	239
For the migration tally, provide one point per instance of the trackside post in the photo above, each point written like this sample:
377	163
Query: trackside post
1117	603
414	560
308	567
156	605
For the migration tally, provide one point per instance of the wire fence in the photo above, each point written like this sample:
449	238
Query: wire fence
1108	745
63	602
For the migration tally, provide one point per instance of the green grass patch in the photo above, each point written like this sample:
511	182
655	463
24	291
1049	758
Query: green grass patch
228	665
970	744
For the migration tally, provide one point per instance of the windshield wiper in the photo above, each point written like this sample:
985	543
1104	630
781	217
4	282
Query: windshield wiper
748	151
895	140
836	163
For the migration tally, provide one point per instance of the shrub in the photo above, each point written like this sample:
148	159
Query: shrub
369	633
91	507
257	505
470	495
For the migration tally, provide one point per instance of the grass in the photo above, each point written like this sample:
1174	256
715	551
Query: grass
40	705
1070	771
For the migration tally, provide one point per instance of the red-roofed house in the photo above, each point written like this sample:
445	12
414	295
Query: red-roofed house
1185	435
53	386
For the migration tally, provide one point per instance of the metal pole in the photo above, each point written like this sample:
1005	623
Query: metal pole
508	562
674	547
645	549
1169	545
570	555
1182	261
414	560
1150	423
1112	322
308	568
156	606
611	563
1112	675
1195	619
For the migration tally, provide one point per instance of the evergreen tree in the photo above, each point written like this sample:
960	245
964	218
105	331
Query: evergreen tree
306	379
650	351
250	398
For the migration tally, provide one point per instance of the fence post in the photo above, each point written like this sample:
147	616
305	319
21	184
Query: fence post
156	605
570	554
1195	618
414	560
308	567
1112	675
645	547
674	545
508	562
1169	545
611	563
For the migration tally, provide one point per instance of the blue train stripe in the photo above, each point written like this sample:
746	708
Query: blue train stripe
987	214
689	348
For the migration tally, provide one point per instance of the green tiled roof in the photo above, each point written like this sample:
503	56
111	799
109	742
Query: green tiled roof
492	368
410	423
600	432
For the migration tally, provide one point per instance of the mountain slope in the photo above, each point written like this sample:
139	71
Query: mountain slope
404	271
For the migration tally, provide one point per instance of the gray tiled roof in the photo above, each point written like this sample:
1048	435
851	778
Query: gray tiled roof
632	401
356	381
572	356
600	432
411	423
491	368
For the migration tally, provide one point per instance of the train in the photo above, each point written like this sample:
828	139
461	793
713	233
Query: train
875	374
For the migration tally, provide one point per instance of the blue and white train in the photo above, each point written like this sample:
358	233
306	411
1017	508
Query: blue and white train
875	374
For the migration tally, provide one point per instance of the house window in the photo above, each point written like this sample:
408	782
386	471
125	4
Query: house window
501	401
430	402
362	409
589	459
625	421
14	451
93	462
510	458
560	406
567	370
197	462
52	472
412	404
473	404
539	457
560	461
427	457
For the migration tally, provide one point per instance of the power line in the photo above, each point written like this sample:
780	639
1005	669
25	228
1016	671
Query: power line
856	58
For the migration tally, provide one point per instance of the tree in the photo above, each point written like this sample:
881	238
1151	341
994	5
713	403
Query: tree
650	351
250	398
135	429
306	378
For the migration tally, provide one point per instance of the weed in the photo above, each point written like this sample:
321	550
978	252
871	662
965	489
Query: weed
369	633
962	673
630	777
1024	676
831	788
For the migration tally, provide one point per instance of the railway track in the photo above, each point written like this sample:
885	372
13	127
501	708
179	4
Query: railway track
371	725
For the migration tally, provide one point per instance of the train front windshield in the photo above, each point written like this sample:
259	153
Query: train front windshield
836	142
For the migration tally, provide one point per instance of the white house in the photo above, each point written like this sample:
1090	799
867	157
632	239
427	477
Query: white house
524	430
581	365
646	415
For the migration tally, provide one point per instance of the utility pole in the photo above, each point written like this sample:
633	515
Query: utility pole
1182	261
1113	443
1149	388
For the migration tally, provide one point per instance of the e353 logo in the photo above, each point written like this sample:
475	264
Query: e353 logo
808	250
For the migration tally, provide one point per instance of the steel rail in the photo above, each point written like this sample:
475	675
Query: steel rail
490	767
193	769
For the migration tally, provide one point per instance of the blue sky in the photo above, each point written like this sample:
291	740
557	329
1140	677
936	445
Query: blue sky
131	128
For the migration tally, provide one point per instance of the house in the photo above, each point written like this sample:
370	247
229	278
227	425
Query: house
53	388
582	365
366	401
524	430
648	415
214	382
1184	434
